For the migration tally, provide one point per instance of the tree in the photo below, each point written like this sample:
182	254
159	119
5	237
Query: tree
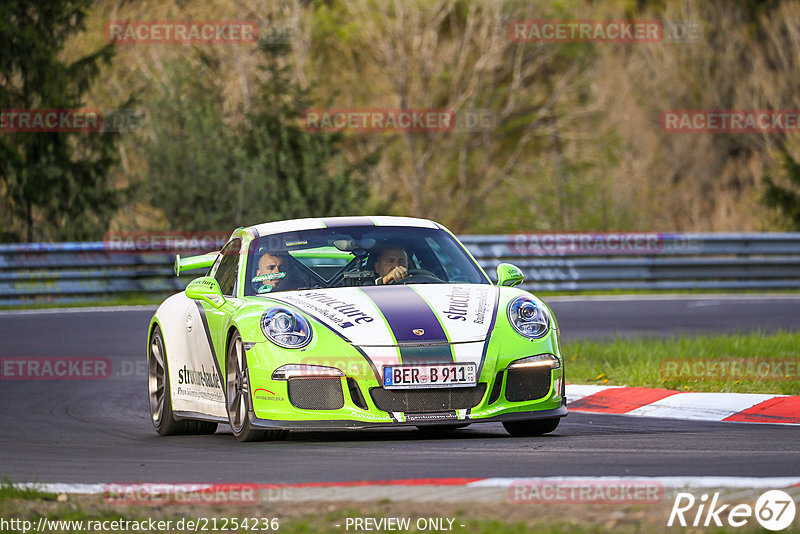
786	199
462	60
190	150
292	172
206	172
54	185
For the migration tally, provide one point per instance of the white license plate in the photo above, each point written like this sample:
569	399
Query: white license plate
426	376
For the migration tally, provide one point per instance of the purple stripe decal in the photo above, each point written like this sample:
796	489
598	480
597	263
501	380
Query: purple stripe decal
329	327
406	311
335	222
490	330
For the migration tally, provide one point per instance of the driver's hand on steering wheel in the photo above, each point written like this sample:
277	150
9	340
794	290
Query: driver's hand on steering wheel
395	275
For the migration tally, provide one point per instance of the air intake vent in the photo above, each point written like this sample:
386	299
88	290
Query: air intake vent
355	394
527	384
498	385
316	393
427	400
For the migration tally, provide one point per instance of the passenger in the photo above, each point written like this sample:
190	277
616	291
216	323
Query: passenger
271	273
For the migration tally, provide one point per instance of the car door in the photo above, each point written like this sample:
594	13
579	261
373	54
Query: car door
201	379
226	272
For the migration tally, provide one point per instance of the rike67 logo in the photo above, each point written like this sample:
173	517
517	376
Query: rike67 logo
774	510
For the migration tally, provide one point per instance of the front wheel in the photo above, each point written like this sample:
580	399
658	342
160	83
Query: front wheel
238	396
533	427
160	396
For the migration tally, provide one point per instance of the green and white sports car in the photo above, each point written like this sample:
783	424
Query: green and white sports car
351	322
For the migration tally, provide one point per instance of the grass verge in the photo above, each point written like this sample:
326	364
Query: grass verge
767	363
682	292
150	299
306	517
123	299
9	491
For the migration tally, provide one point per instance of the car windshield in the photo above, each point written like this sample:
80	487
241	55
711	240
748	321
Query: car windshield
357	256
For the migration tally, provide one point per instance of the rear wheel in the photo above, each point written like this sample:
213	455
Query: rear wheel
238	396
533	427
160	397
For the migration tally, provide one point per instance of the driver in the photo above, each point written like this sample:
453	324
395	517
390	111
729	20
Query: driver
271	272
391	265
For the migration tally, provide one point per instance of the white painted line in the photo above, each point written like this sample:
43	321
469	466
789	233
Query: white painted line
667	482
701	406
579	391
84	489
377	491
677	296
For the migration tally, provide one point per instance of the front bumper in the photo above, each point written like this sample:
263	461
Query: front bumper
255	422
504	395
357	411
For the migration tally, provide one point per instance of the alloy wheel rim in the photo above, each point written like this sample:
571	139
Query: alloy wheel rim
156	379
237	386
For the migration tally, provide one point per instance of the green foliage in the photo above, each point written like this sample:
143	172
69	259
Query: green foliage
9	490
53	186
574	144
292	172
207	174
192	173
787	199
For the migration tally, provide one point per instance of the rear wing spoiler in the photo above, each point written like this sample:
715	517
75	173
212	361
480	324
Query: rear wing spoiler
189	263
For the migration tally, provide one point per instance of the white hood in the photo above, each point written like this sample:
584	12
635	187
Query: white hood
400	314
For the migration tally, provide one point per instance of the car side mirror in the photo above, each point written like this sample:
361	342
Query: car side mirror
509	275
206	289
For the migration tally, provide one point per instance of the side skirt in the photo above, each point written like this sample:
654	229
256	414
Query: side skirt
197	416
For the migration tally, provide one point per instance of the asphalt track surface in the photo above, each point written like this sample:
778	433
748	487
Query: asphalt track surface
100	431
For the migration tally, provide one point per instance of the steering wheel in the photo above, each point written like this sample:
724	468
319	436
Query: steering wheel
420	276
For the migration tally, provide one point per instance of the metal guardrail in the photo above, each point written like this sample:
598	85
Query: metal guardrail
73	272
587	262
65	272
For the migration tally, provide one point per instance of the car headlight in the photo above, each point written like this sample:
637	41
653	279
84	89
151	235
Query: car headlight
286	328
528	317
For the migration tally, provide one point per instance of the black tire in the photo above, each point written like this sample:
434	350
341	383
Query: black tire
435	429
237	396
160	394
533	427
